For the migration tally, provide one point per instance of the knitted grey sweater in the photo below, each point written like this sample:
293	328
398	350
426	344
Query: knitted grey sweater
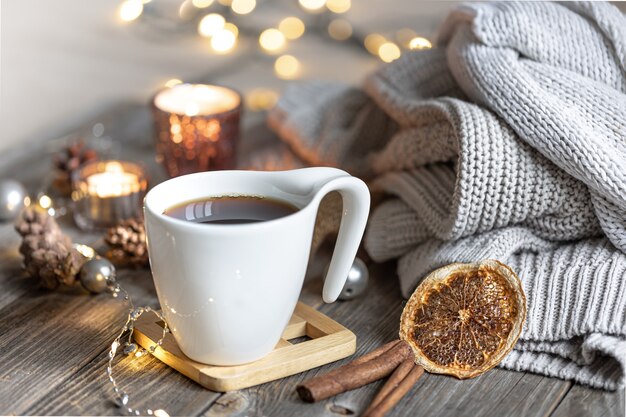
507	142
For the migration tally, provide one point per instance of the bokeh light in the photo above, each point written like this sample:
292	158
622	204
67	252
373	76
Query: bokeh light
340	29
373	42
202	4
231	27
130	10
223	41
287	67
312	5
389	52
172	82
242	6
338	6
261	99
211	24
420	42
291	27
272	40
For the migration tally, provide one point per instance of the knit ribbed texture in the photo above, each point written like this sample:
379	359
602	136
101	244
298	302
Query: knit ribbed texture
508	142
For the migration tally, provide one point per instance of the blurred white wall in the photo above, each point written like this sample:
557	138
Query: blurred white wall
65	60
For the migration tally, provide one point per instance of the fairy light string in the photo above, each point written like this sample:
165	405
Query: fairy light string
221	21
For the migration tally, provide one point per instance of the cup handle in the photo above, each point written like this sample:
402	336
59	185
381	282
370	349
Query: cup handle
356	205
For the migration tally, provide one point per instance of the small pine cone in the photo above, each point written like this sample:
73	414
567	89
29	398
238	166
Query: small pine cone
48	253
36	222
127	243
67	161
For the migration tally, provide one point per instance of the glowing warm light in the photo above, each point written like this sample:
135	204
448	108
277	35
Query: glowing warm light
287	67
223	41
291	27
340	29
113	182
231	27
225	2
172	82
389	51
138	354
338	6
202	4
272	40
160	413
130	10
193	99
312	5
45	202
211	24
261	99
86	251
114	346
420	43
373	42
242	6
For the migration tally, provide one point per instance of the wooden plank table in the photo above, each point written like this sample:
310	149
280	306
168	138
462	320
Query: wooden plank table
53	345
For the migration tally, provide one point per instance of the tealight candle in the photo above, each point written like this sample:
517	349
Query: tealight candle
107	192
197	127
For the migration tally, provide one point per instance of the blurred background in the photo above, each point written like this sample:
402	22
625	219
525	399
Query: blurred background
64	61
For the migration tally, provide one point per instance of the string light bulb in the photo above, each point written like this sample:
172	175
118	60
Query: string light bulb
272	40
340	29
211	24
130	10
420	42
338	6
223	41
389	52
242	6
287	67
312	5
291	27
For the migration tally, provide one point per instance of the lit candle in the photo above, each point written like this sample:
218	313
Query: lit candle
107	192
113	182
197	127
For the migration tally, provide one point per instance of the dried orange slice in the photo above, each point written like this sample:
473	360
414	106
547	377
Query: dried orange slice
463	319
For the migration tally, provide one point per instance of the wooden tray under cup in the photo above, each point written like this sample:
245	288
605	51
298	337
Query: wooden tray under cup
329	341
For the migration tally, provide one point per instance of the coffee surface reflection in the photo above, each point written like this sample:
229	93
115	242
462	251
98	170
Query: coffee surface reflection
231	210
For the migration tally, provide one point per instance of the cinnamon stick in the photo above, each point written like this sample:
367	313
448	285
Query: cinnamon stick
396	394
350	376
392	383
374	353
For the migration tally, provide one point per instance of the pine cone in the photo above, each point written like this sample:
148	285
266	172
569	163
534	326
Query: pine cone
48	253
69	160
127	243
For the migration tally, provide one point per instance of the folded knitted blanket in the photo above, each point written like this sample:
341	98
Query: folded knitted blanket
508	141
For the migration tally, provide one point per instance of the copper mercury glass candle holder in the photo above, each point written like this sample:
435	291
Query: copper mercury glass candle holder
196	128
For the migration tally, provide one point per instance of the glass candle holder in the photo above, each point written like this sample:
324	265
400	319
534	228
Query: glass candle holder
196	128
107	192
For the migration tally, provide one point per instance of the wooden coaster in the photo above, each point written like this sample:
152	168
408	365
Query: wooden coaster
329	341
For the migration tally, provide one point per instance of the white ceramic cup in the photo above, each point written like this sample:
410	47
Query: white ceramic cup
228	291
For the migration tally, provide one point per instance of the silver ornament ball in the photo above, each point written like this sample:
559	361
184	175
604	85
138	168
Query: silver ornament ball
97	274
357	281
12	198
